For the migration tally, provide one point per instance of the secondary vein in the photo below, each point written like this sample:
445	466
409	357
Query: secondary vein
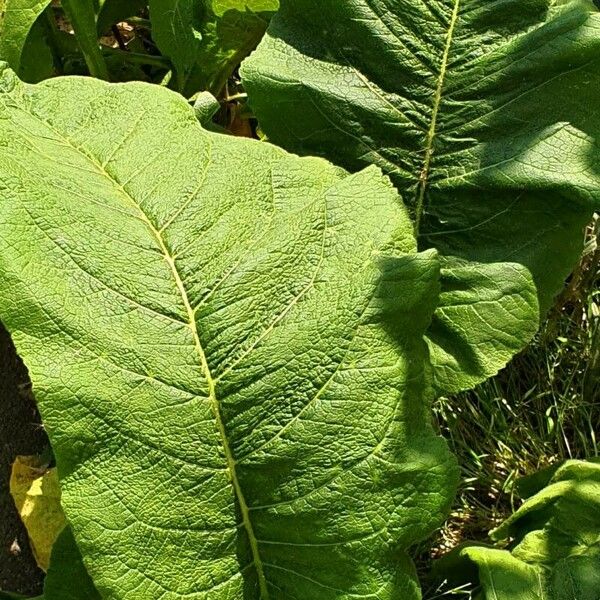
437	100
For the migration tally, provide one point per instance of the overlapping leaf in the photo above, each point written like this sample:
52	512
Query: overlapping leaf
480	111
27	55
226	345
36	493
233	28
67	578
207	39
176	29
557	548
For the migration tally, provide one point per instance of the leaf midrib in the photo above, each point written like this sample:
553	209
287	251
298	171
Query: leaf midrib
231	462
437	100
212	395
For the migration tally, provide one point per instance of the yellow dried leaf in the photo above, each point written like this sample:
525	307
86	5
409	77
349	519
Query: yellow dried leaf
36	493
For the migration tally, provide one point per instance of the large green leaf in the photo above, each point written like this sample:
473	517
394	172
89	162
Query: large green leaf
17	18
37	58
481	112
557	544
226	345
67	578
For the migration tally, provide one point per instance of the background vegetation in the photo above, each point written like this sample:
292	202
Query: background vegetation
541	409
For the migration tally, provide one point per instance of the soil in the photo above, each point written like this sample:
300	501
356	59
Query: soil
20	433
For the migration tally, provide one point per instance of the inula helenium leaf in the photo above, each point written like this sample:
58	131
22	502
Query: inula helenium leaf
556	552
17	19
176	31
480	111
231	30
67	578
226	345
207	39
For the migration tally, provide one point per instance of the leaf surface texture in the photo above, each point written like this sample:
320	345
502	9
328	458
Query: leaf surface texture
207	39
556	550
480	113
226	344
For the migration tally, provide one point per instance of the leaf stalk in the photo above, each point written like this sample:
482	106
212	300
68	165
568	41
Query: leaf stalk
82	16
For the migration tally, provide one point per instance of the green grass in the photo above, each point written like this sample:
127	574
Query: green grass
542	408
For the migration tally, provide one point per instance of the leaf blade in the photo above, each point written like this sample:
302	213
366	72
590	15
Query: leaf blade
231	30
176	30
555	553
299	325
453	116
17	18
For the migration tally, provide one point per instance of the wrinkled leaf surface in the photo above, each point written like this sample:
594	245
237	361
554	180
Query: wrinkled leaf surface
481	114
226	345
556	552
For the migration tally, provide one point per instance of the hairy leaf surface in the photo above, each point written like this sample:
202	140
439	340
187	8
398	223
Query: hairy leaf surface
480	112
226	344
556	554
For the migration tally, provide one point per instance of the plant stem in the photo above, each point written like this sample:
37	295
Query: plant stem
240	96
138	57
83	20
116	32
139	22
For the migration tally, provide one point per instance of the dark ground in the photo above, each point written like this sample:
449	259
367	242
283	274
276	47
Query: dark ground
20	433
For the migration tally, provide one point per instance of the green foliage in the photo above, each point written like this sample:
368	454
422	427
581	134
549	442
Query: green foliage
234	349
67	578
232	29
17	19
207	39
480	113
37	59
555	554
176	31
226	345
540	409
201	41
82	16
